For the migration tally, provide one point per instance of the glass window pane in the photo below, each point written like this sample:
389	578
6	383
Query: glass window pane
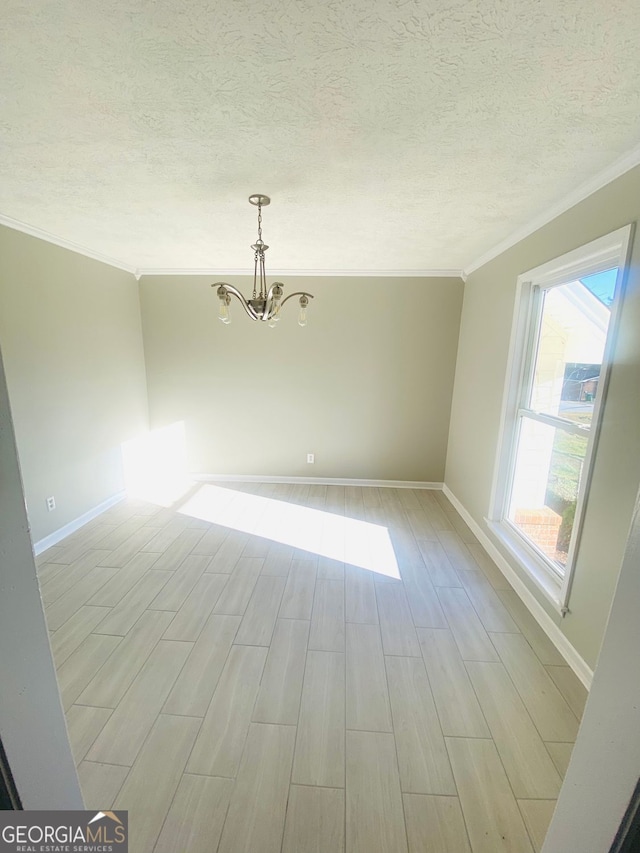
573	331
548	468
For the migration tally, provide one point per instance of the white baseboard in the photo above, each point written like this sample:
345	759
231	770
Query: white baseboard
58	535
553	632
315	481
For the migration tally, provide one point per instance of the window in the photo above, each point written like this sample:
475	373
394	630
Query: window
564	328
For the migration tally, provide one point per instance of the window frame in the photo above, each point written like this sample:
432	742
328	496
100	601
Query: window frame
611	250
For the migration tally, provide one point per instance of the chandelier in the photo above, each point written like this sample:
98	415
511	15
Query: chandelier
265	304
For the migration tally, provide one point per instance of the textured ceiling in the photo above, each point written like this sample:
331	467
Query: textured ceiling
412	134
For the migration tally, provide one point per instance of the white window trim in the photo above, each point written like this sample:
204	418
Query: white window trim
611	250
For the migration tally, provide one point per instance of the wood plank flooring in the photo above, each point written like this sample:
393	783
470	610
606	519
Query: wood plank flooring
246	695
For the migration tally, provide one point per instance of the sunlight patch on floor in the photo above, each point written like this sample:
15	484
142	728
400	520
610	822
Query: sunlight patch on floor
348	540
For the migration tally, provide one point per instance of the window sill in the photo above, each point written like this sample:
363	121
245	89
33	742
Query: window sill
543	577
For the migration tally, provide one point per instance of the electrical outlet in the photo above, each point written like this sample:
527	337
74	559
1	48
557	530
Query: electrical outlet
51	503
311	458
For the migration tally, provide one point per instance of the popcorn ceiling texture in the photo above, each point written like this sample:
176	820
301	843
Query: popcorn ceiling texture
391	135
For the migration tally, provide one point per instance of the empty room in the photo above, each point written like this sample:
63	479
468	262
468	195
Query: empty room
319	446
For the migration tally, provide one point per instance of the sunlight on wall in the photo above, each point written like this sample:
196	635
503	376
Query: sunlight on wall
347	540
155	465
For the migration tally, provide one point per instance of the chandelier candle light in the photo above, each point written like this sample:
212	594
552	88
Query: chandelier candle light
265	304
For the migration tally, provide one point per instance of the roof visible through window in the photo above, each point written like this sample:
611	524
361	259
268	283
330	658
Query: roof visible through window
602	285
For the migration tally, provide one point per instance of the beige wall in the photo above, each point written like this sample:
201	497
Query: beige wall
480	377
71	338
366	385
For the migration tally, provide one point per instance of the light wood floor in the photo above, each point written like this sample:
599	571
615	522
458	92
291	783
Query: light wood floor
241	695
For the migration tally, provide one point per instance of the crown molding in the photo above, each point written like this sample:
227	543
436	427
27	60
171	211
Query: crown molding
426	273
615	170
138	272
32	231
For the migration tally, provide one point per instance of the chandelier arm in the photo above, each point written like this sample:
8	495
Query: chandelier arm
268	301
270	293
297	293
235	292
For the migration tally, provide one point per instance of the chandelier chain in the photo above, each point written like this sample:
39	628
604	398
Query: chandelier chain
257	255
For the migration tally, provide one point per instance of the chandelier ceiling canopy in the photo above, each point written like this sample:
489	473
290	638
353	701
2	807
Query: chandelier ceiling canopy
265	304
